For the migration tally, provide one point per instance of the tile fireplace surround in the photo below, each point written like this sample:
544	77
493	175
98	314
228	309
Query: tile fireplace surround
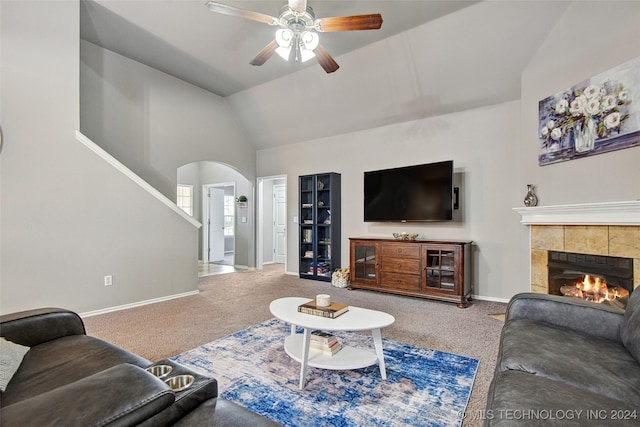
610	229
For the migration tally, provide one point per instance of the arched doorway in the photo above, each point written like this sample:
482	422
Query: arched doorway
227	234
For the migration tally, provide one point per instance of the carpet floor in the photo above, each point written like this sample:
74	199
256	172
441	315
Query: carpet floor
228	303
424	387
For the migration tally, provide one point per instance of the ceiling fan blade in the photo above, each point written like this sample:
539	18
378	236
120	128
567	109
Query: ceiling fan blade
265	53
349	23
247	14
298	5
325	60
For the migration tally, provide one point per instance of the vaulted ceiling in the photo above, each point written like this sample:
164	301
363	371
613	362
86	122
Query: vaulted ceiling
430	57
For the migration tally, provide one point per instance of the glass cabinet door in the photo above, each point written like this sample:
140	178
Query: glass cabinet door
365	261
440	269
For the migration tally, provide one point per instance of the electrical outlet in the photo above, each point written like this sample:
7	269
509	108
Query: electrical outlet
108	280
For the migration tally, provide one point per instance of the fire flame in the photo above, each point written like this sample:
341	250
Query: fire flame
594	289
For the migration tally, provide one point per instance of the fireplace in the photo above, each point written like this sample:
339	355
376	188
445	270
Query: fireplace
596	278
609	229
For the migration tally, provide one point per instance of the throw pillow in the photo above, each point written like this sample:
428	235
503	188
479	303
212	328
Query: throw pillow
11	355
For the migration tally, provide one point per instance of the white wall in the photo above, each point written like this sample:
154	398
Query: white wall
155	123
482	142
69	219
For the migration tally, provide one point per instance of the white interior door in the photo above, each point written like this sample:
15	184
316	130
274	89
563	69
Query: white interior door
216	224
279	223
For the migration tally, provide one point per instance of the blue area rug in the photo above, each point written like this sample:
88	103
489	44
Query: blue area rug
423	388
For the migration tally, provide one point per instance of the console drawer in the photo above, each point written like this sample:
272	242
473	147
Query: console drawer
400	265
400	249
407	282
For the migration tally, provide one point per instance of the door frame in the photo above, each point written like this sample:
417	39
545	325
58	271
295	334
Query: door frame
261	226
275	214
205	218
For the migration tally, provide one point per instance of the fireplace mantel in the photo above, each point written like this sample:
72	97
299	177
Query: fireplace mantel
608	213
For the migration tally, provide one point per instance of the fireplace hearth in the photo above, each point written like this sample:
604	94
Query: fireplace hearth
596	278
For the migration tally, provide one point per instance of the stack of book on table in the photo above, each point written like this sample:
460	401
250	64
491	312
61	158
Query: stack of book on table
325	342
331	311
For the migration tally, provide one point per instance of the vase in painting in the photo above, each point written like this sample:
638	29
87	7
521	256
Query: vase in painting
584	136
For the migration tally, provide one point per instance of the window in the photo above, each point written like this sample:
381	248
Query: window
229	214
184	198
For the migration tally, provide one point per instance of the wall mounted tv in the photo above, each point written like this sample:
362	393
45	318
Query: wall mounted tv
411	193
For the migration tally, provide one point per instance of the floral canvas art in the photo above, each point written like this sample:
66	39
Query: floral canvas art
596	116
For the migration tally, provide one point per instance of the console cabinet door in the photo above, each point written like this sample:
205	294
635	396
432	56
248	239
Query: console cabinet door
441	274
364	262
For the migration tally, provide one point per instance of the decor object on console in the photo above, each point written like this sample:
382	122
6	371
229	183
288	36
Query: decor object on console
319	208
406	236
69	378
584	356
434	269
530	199
593	117
297	38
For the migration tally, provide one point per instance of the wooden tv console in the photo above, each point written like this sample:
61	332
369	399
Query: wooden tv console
434	269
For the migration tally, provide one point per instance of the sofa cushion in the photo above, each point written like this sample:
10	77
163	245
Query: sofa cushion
63	361
11	355
520	398
630	330
590	363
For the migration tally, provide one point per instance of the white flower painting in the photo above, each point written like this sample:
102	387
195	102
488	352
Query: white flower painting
592	117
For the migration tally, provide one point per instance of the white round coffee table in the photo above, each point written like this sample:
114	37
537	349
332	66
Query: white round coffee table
356	319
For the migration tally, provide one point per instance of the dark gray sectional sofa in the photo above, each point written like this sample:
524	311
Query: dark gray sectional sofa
568	362
67	378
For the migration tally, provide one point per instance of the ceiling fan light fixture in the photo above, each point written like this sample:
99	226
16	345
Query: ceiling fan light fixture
310	39
306	54
284	52
284	36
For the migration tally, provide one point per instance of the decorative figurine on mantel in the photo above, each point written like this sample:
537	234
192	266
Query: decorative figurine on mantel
530	199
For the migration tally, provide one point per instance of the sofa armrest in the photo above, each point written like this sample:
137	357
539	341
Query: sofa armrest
123	395
40	325
570	313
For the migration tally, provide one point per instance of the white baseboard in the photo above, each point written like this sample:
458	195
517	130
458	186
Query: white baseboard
492	299
138	304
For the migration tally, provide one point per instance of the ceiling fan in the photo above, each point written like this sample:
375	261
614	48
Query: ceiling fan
297	38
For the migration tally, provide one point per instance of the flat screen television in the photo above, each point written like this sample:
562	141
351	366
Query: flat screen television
411	193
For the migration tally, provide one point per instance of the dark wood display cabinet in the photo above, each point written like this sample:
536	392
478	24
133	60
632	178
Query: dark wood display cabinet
319	198
433	269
